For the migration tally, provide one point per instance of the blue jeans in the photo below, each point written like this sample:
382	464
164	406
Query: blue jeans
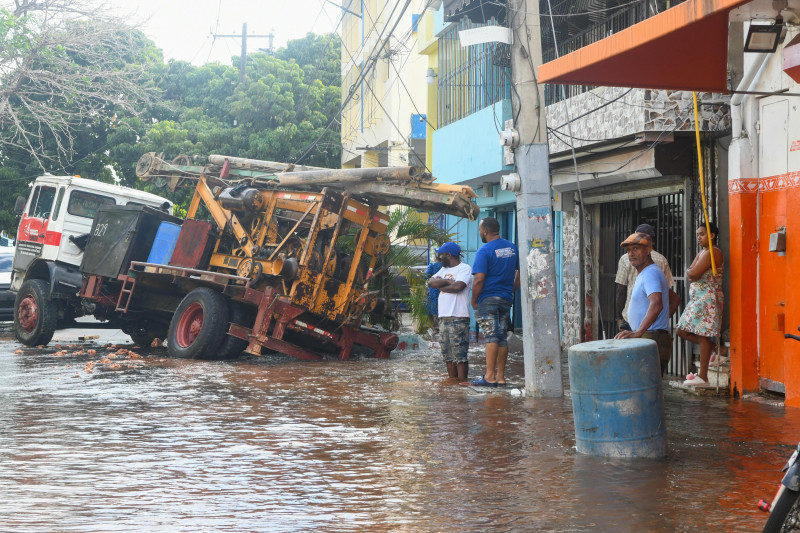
492	316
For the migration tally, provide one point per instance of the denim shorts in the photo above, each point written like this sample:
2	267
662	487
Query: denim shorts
492	316
454	339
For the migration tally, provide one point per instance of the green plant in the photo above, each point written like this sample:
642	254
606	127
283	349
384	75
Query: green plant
406	226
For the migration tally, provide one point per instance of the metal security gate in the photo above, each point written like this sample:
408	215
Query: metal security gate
617	220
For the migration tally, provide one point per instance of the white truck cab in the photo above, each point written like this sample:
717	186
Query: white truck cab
59	210
56	219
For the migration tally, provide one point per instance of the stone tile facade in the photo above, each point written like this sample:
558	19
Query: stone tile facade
609	113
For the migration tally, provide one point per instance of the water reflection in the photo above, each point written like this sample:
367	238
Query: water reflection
272	444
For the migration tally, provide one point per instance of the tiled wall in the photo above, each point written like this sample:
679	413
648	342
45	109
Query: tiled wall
608	113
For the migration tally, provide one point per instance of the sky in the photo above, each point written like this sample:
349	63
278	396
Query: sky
183	28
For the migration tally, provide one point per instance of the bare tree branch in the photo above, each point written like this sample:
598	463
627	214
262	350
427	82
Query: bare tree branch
66	64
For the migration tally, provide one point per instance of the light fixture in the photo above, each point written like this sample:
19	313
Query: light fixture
764	38
430	76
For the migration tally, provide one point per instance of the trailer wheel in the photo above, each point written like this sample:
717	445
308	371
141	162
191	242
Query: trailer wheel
35	314
199	325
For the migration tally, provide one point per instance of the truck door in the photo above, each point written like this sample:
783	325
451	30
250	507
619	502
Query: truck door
33	233
81	207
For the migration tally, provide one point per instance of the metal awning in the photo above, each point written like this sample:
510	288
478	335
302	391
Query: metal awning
683	48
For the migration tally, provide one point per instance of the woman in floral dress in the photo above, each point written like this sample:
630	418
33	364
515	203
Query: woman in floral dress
700	321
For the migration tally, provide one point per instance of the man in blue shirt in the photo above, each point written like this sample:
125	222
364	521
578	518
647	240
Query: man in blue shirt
496	277
648	312
432	299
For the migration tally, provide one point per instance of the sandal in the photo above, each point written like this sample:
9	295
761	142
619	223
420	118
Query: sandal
693	380
481	382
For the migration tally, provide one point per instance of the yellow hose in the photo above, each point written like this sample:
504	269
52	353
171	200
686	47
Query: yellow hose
703	186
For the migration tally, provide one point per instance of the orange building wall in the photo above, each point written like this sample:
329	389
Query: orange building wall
742	265
765	287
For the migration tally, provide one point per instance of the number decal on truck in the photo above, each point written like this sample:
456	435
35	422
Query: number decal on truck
100	230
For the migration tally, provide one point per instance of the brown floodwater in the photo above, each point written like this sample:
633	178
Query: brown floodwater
273	444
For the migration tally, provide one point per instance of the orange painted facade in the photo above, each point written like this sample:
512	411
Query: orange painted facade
764	284
695	34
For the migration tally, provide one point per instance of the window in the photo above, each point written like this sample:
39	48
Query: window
57	210
86	204
42	202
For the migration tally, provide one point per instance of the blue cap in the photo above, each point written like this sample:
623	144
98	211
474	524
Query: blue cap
449	248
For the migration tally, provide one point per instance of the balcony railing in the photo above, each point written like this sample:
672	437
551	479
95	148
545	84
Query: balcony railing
470	78
570	40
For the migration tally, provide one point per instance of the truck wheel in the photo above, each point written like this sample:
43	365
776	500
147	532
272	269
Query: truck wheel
199	325
234	346
35	314
143	337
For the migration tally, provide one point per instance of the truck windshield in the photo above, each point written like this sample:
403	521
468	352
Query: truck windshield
42	202
85	204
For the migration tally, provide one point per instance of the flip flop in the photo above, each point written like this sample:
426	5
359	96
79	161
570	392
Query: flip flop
481	382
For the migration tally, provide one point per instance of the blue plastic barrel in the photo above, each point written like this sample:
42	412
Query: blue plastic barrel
164	243
617	399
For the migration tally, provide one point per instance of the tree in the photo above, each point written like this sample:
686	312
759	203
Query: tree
67	69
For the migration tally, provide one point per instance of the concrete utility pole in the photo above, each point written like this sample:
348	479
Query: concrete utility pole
541	342
243	59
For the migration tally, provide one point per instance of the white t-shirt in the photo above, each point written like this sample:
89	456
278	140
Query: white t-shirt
455	304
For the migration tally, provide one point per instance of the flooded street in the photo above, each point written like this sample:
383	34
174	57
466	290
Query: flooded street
274	444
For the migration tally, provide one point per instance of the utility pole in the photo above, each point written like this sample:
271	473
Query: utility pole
541	342
243	59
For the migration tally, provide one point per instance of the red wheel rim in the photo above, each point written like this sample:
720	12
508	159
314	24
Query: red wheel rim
189	325
28	313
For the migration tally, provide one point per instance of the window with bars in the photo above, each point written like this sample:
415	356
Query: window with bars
470	78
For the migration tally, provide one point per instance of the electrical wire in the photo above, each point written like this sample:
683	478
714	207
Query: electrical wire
581	205
370	62
589	112
370	65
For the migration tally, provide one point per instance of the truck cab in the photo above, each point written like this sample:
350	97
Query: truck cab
56	219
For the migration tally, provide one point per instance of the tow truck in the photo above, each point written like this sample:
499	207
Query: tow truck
270	257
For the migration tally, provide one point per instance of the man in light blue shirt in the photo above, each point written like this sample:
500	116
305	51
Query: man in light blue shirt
648	312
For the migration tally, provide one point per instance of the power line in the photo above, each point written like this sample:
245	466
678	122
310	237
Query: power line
371	62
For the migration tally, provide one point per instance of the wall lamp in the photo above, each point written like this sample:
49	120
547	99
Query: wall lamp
764	38
430	76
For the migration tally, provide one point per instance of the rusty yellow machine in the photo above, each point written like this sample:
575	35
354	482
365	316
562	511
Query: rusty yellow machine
270	256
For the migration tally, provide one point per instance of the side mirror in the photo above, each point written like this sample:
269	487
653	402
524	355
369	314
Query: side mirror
19	205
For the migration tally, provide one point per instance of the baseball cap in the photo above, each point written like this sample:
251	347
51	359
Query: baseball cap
642	239
449	248
648	229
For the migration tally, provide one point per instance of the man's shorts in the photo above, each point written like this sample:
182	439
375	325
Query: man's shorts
454	339
663	339
492	316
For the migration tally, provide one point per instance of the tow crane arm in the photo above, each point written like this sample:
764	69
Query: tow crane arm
409	186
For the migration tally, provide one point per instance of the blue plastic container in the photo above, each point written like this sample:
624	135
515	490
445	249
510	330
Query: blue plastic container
617	399
164	243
